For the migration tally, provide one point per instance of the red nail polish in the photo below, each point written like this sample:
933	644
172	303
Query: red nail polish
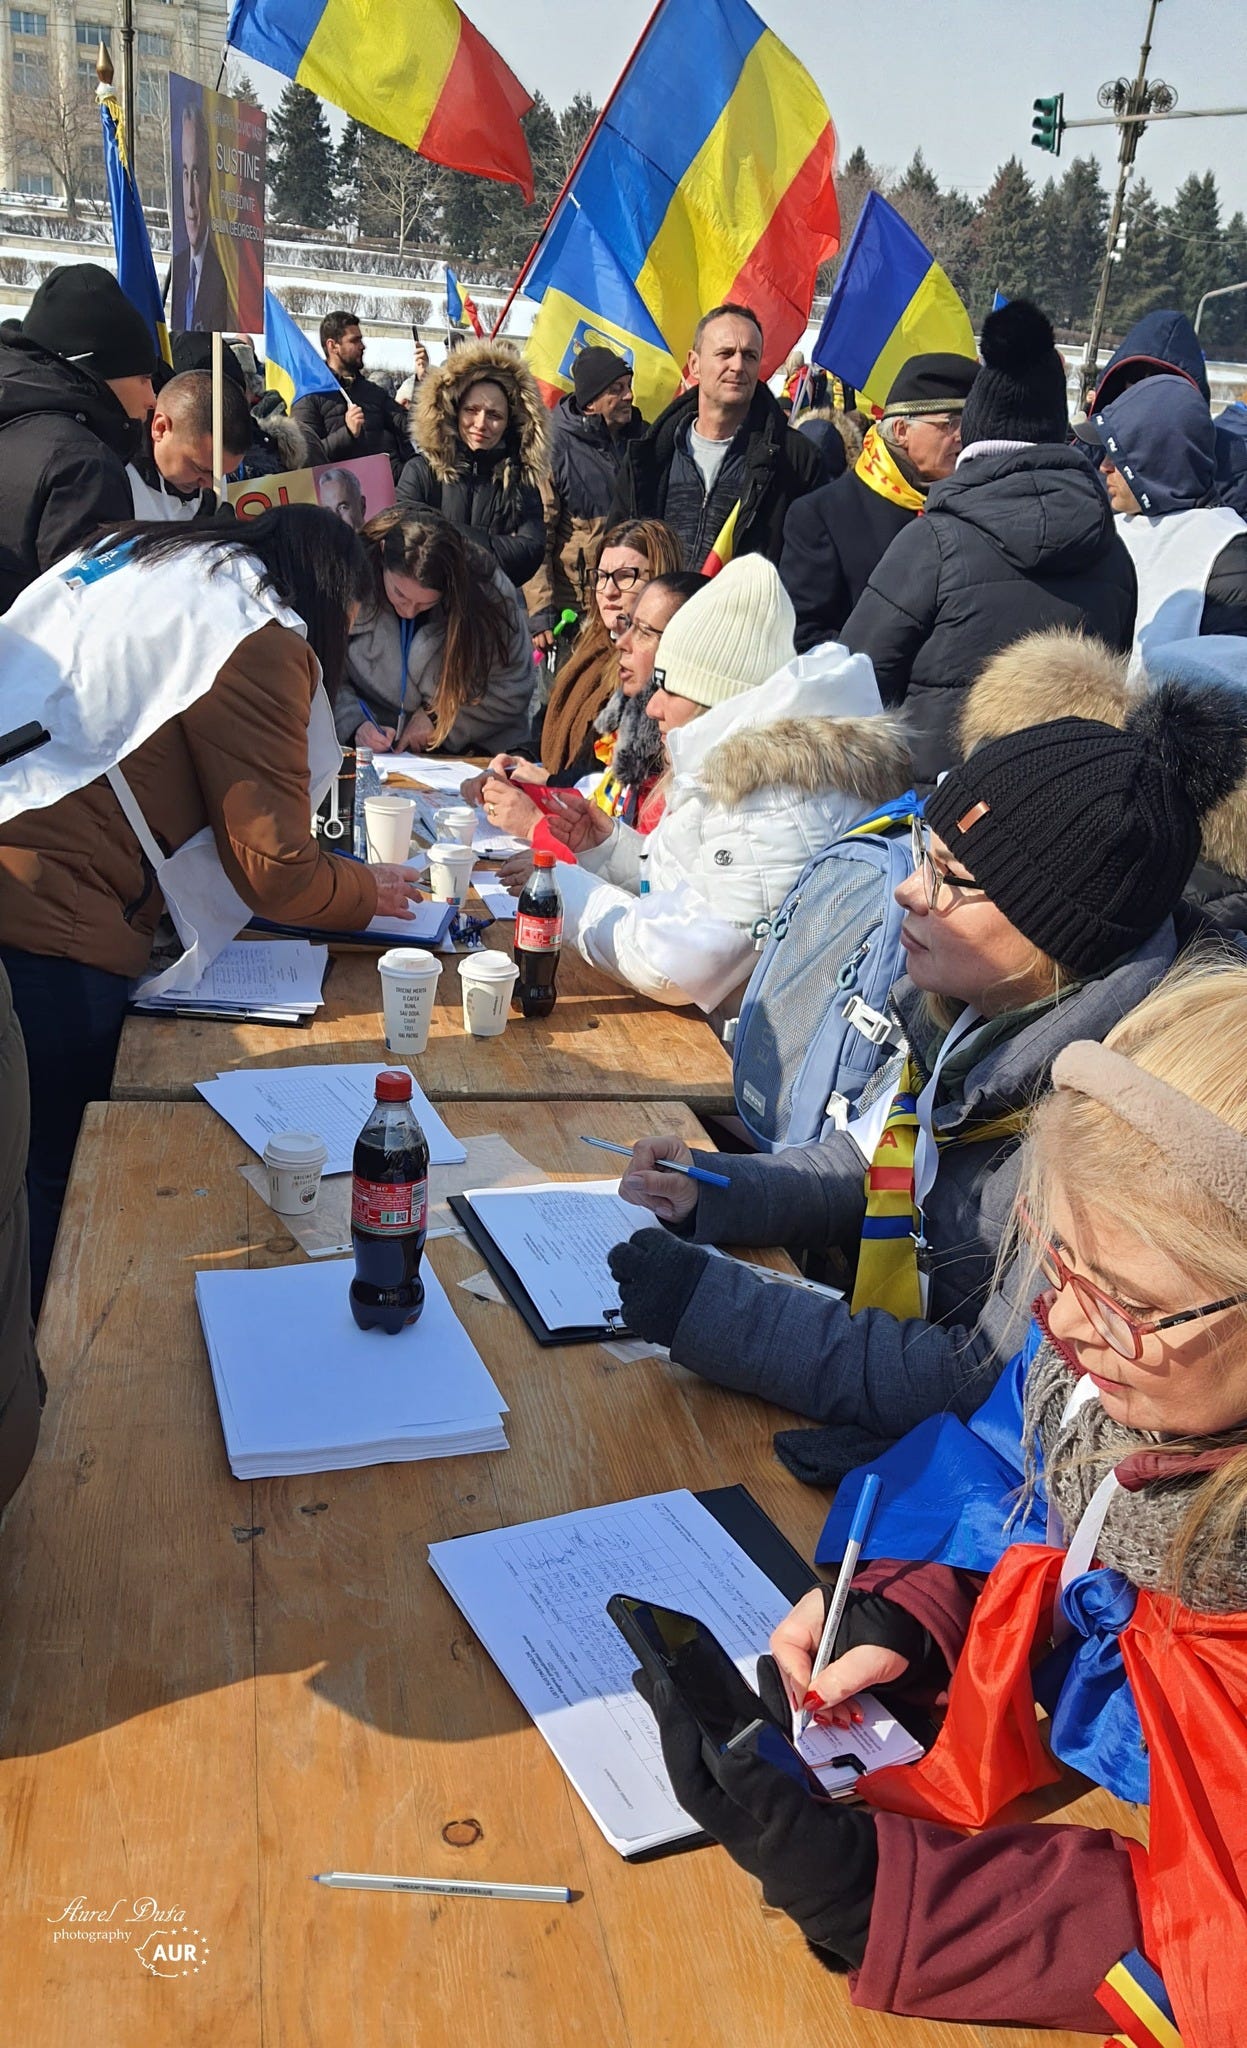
857	1715
812	1702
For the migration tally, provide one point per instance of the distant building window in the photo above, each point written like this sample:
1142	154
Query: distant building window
30	74
153	42
94	32
24	23
87	75
153	92
36	181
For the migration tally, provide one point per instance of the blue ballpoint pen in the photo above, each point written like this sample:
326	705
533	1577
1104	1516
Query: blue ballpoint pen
710	1180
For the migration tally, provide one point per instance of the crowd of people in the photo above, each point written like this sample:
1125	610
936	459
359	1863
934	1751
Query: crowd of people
1010	645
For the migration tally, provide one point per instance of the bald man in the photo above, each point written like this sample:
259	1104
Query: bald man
171	478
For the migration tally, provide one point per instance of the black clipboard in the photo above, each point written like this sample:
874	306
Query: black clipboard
612	1324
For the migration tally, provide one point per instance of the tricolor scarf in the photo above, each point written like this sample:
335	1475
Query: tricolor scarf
879	471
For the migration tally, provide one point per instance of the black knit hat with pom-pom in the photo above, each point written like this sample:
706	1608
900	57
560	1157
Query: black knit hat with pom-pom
1084	836
1019	394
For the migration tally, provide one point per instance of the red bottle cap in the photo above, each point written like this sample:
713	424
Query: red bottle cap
543	860
393	1087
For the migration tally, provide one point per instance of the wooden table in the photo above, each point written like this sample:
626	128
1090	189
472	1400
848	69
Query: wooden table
210	1689
601	1043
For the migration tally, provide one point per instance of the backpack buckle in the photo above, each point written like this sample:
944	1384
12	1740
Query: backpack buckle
873	1025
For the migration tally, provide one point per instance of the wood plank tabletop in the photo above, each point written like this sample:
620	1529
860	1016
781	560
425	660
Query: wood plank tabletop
601	1042
210	1689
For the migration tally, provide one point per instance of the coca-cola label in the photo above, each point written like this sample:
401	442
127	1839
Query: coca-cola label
389	1208
538	934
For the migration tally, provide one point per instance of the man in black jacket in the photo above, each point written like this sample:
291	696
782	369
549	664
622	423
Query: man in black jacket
361	418
1021	537
721	449
593	428
75	388
834	539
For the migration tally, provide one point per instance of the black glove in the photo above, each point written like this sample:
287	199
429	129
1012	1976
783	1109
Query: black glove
691	1781
867	1618
657	1275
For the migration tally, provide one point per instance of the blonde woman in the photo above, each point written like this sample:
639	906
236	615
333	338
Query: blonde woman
1107	1498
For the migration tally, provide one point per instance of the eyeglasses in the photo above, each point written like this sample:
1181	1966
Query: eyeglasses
935	880
638	627
623	579
1121	1331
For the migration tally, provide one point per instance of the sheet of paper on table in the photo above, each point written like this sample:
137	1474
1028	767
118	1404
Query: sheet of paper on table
499	902
556	1238
254	975
432	770
301	1388
333	1101
536	1596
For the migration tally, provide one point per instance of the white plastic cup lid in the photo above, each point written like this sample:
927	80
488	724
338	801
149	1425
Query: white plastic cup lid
295	1148
409	960
459	812
487	966
450	851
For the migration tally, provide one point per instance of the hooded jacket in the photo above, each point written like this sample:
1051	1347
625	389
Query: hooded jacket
585	459
279	443
496	493
1009	544
759	784
1160	343
65	441
767	467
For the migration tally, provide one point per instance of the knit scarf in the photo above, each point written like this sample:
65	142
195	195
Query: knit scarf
576	697
879	471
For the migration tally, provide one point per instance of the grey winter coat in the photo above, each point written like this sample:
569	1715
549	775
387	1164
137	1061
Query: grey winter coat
870	1376
496	720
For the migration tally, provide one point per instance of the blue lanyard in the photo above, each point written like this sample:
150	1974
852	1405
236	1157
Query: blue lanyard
406	635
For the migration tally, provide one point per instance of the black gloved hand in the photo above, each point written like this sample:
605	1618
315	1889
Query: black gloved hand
656	1275
691	1781
868	1618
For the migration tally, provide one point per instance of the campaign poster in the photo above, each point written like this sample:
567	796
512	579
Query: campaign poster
217	186
354	490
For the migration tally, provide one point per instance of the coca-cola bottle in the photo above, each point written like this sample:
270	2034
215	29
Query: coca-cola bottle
538	936
389	1210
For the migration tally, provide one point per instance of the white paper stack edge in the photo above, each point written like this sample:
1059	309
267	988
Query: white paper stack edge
301	1389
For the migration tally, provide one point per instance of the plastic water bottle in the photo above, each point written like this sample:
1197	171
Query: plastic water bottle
367	783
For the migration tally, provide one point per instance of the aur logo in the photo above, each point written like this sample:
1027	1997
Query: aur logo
586	335
167	1954
156	1935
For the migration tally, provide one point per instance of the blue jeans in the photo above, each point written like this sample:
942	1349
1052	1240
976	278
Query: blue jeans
71	1018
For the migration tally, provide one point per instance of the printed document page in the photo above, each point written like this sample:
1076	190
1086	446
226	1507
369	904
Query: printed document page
334	1101
557	1237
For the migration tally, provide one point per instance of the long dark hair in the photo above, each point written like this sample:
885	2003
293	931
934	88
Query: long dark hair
310	559
479	621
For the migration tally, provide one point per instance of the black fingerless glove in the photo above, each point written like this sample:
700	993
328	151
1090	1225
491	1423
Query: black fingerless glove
656	1275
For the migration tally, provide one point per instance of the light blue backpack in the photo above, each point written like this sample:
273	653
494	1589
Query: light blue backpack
813	1025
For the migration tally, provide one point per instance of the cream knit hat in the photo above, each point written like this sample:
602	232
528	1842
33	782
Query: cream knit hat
730	637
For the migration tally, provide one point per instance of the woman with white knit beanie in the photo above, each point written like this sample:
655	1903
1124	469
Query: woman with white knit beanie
771	758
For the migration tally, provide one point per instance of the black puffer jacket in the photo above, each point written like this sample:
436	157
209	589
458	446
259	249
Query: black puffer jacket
20	1385
384	431
495	494
834	541
1009	544
64	445
585	460
776	467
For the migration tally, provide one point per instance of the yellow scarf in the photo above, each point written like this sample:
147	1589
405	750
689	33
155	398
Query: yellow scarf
878	470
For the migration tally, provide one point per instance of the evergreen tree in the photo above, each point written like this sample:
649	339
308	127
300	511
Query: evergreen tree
858	176
1085	205
1196	248
1004	239
575	123
918	182
1048	271
301	160
1223	330
1141	281
952	242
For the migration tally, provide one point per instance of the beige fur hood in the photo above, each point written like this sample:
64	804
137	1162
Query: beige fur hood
527	439
867	758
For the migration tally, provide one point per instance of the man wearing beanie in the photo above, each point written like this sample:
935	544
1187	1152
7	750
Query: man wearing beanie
1018	539
722	458
593	426
1047	905
75	388
835	538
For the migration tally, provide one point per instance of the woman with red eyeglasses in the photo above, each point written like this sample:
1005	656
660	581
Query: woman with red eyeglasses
1082	1545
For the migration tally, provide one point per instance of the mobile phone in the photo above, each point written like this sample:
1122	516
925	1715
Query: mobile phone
415	335
730	1714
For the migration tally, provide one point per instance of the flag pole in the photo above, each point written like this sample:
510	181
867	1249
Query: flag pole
583	151
218	416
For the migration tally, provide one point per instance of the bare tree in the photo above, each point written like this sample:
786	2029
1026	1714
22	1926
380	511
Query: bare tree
397	193
62	126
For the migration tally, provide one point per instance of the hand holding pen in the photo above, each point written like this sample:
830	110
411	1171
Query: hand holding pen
651	1184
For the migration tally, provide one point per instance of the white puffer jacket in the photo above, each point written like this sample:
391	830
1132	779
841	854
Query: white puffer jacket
759	785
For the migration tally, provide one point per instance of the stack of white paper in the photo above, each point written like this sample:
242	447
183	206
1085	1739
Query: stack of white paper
302	1389
433	770
274	980
333	1101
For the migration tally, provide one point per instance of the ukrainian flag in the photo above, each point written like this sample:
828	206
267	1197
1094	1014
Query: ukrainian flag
291	364
455	316
418	72
136	269
709	177
891	301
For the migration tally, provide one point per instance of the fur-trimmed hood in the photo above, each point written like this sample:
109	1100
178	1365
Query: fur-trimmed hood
867	758
526	443
287	437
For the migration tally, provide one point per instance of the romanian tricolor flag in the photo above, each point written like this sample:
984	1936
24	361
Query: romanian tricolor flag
1136	2001
291	364
136	268
708	178
460	308
418	72
890	301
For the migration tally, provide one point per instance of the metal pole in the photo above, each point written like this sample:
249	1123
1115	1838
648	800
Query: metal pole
127	79
1129	143
1222	291
1175	114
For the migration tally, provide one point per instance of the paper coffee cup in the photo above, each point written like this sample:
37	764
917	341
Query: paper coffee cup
487	980
387	828
295	1162
409	980
457	822
450	871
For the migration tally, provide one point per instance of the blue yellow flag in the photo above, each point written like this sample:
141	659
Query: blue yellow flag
291	364
454	300
708	178
998	300
890	301
136	269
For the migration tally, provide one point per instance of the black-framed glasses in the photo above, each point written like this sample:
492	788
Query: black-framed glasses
1121	1331
639	627
936	880
623	579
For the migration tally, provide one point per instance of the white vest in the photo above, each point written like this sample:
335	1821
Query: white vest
151	502
1173	559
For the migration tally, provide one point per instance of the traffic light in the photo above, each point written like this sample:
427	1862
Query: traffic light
1048	123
